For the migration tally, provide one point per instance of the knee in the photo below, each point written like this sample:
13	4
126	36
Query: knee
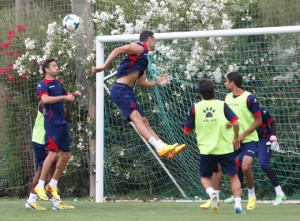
246	168
146	122
66	155
52	155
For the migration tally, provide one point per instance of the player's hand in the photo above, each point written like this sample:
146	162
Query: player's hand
163	79
228	125
273	138
76	94
69	98
99	69
236	144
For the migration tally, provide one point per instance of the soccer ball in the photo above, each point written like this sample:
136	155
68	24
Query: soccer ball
71	22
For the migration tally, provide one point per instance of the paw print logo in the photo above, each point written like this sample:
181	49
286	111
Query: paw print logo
209	112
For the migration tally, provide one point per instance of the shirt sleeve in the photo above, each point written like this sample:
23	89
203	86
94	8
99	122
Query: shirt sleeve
42	89
189	124
253	105
229	114
266	116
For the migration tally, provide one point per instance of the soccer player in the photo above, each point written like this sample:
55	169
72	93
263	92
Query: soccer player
57	138
132	70
215	141
267	133
38	143
246	106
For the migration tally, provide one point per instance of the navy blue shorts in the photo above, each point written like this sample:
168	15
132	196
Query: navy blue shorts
125	99
40	153
58	138
264	153
209	164
247	149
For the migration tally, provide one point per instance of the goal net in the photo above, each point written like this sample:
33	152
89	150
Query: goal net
267	58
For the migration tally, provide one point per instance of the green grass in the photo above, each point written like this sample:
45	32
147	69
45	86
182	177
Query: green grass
14	210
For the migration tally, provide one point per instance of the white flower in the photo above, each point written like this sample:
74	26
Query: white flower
29	44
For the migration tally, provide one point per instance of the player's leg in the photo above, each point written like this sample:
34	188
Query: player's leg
52	149
141	123
236	190
228	165
216	180
40	156
264	157
125	99
63	141
208	165
171	154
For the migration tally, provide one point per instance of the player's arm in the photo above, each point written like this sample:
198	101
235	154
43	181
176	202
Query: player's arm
46	99
233	121
253	106
189	124
125	49
161	80
68	113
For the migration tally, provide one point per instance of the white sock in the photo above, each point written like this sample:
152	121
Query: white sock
156	144
53	182
160	141
278	190
238	202
251	193
41	184
210	191
32	198
217	192
56	202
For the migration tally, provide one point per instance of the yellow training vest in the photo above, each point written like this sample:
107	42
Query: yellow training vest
213	138
246	119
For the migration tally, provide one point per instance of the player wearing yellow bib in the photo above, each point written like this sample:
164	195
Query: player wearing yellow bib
246	106
208	118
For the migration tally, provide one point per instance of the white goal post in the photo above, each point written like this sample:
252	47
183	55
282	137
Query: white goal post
101	40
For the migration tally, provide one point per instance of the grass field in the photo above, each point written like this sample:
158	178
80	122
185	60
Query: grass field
14	210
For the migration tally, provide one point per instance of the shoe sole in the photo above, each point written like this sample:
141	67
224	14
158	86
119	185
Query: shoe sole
175	152
28	206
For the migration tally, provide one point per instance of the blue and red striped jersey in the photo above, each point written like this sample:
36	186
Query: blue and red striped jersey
264	130
54	113
133	62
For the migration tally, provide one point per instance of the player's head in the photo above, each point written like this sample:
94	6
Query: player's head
233	79
148	37
50	67
206	89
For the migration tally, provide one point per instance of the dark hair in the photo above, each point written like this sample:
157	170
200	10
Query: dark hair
206	89
46	64
145	35
236	78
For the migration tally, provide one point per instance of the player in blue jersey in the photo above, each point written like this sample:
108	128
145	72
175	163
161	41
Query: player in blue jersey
132	70
208	118
57	138
267	134
38	143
